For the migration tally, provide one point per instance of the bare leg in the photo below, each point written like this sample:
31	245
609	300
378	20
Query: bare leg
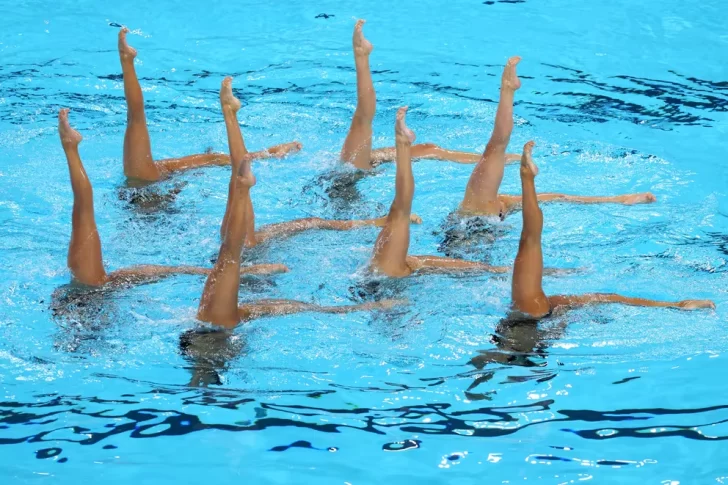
358	144
527	294
219	302
265	308
230	106
481	193
562	302
512	202
430	151
437	264
84	251
390	250
138	162
290	228
150	273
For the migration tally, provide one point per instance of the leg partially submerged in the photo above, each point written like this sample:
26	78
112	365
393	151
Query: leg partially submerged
481	193
84	251
430	151
358	144
269	308
564	302
512	202
526	291
291	228
390	249
219	302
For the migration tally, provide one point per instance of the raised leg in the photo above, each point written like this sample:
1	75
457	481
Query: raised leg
390	249
219	302
230	106
84	251
481	193
526	292
138	162
265	308
358	144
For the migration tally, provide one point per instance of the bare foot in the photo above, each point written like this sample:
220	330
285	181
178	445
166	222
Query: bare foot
401	133
528	168
510	79
362	47
245	177
415	219
126	52
696	304
285	149
69	136
644	198
227	98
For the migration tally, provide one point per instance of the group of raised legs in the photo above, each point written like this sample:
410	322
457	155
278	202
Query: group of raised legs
219	303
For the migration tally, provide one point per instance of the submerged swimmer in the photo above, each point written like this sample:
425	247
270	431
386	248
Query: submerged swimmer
138	161
219	302
84	251
230	106
357	148
481	194
390	250
529	302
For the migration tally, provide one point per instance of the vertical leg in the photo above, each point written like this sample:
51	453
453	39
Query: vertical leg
230	106
527	293
358	144
390	249
84	251
138	162
219	302
481	193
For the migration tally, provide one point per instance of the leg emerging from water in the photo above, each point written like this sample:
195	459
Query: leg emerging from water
527	293
84	251
358	144
138	162
481	193
219	302
390	249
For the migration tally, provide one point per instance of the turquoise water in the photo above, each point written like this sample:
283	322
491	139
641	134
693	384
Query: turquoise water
620	97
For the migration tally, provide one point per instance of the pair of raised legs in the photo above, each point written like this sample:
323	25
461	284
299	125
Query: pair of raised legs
357	148
84	251
219	302
138	161
390	250
529	300
481	194
230	106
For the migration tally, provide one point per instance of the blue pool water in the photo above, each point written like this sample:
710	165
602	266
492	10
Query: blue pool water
620	96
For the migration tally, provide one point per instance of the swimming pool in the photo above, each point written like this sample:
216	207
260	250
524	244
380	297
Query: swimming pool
619	96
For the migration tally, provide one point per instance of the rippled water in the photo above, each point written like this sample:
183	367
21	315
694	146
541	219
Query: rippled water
619	96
